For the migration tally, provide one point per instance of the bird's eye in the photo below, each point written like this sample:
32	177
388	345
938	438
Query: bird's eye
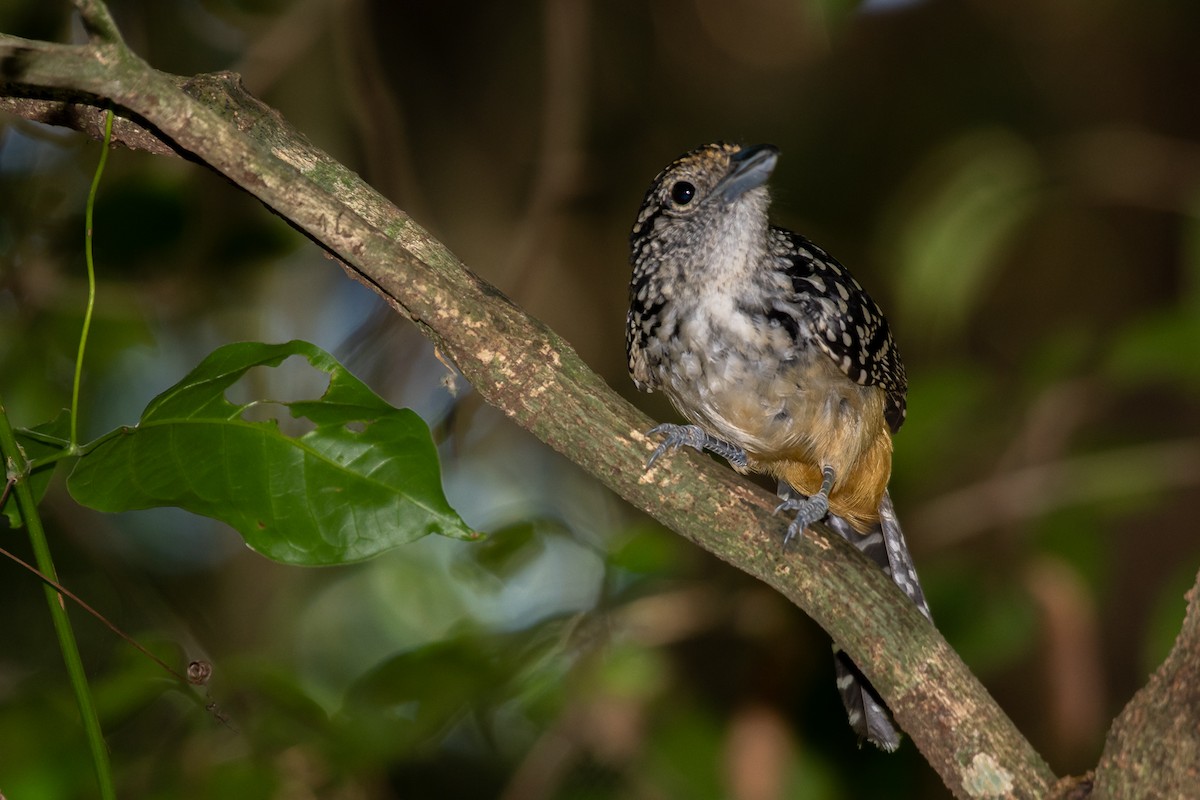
682	193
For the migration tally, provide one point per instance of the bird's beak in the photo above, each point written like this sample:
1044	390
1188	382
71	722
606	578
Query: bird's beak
749	168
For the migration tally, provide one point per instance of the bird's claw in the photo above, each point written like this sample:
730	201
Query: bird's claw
808	510
674	437
677	436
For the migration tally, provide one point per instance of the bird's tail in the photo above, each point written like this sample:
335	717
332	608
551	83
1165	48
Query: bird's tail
884	545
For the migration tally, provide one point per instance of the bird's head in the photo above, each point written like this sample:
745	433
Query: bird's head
707	211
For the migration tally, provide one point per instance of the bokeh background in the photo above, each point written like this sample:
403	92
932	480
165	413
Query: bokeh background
1017	182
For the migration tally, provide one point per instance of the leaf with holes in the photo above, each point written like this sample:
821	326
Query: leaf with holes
363	479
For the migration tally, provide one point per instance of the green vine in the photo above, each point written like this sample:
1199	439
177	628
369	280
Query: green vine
18	469
91	274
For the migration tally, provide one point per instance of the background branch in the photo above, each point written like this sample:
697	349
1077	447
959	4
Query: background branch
1153	747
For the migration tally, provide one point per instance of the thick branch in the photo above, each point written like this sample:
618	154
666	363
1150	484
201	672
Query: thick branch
525	369
1153	748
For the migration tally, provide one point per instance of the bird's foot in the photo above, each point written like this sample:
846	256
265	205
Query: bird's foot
677	436
808	509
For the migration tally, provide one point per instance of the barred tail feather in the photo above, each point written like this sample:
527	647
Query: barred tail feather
895	559
884	544
869	716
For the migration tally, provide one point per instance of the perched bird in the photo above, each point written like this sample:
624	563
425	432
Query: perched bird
778	358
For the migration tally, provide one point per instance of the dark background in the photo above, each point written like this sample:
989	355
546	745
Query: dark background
1017	183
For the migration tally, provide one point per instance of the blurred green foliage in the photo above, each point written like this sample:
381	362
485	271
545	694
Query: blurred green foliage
1017	184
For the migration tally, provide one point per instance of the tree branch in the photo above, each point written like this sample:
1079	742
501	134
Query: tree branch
98	22
517	364
1153	748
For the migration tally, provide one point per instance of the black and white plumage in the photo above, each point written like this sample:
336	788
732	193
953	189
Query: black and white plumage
778	358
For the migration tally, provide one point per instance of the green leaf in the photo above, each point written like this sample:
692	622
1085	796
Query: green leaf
37	447
364	479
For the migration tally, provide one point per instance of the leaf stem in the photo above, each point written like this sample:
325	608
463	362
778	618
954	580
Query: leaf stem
68	450
17	469
46	438
91	273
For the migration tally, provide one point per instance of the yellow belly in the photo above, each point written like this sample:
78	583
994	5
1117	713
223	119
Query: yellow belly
858	489
799	420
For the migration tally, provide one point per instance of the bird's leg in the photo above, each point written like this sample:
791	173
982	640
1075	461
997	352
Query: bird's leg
808	509
677	436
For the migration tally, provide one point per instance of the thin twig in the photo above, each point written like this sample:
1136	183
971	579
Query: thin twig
79	601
